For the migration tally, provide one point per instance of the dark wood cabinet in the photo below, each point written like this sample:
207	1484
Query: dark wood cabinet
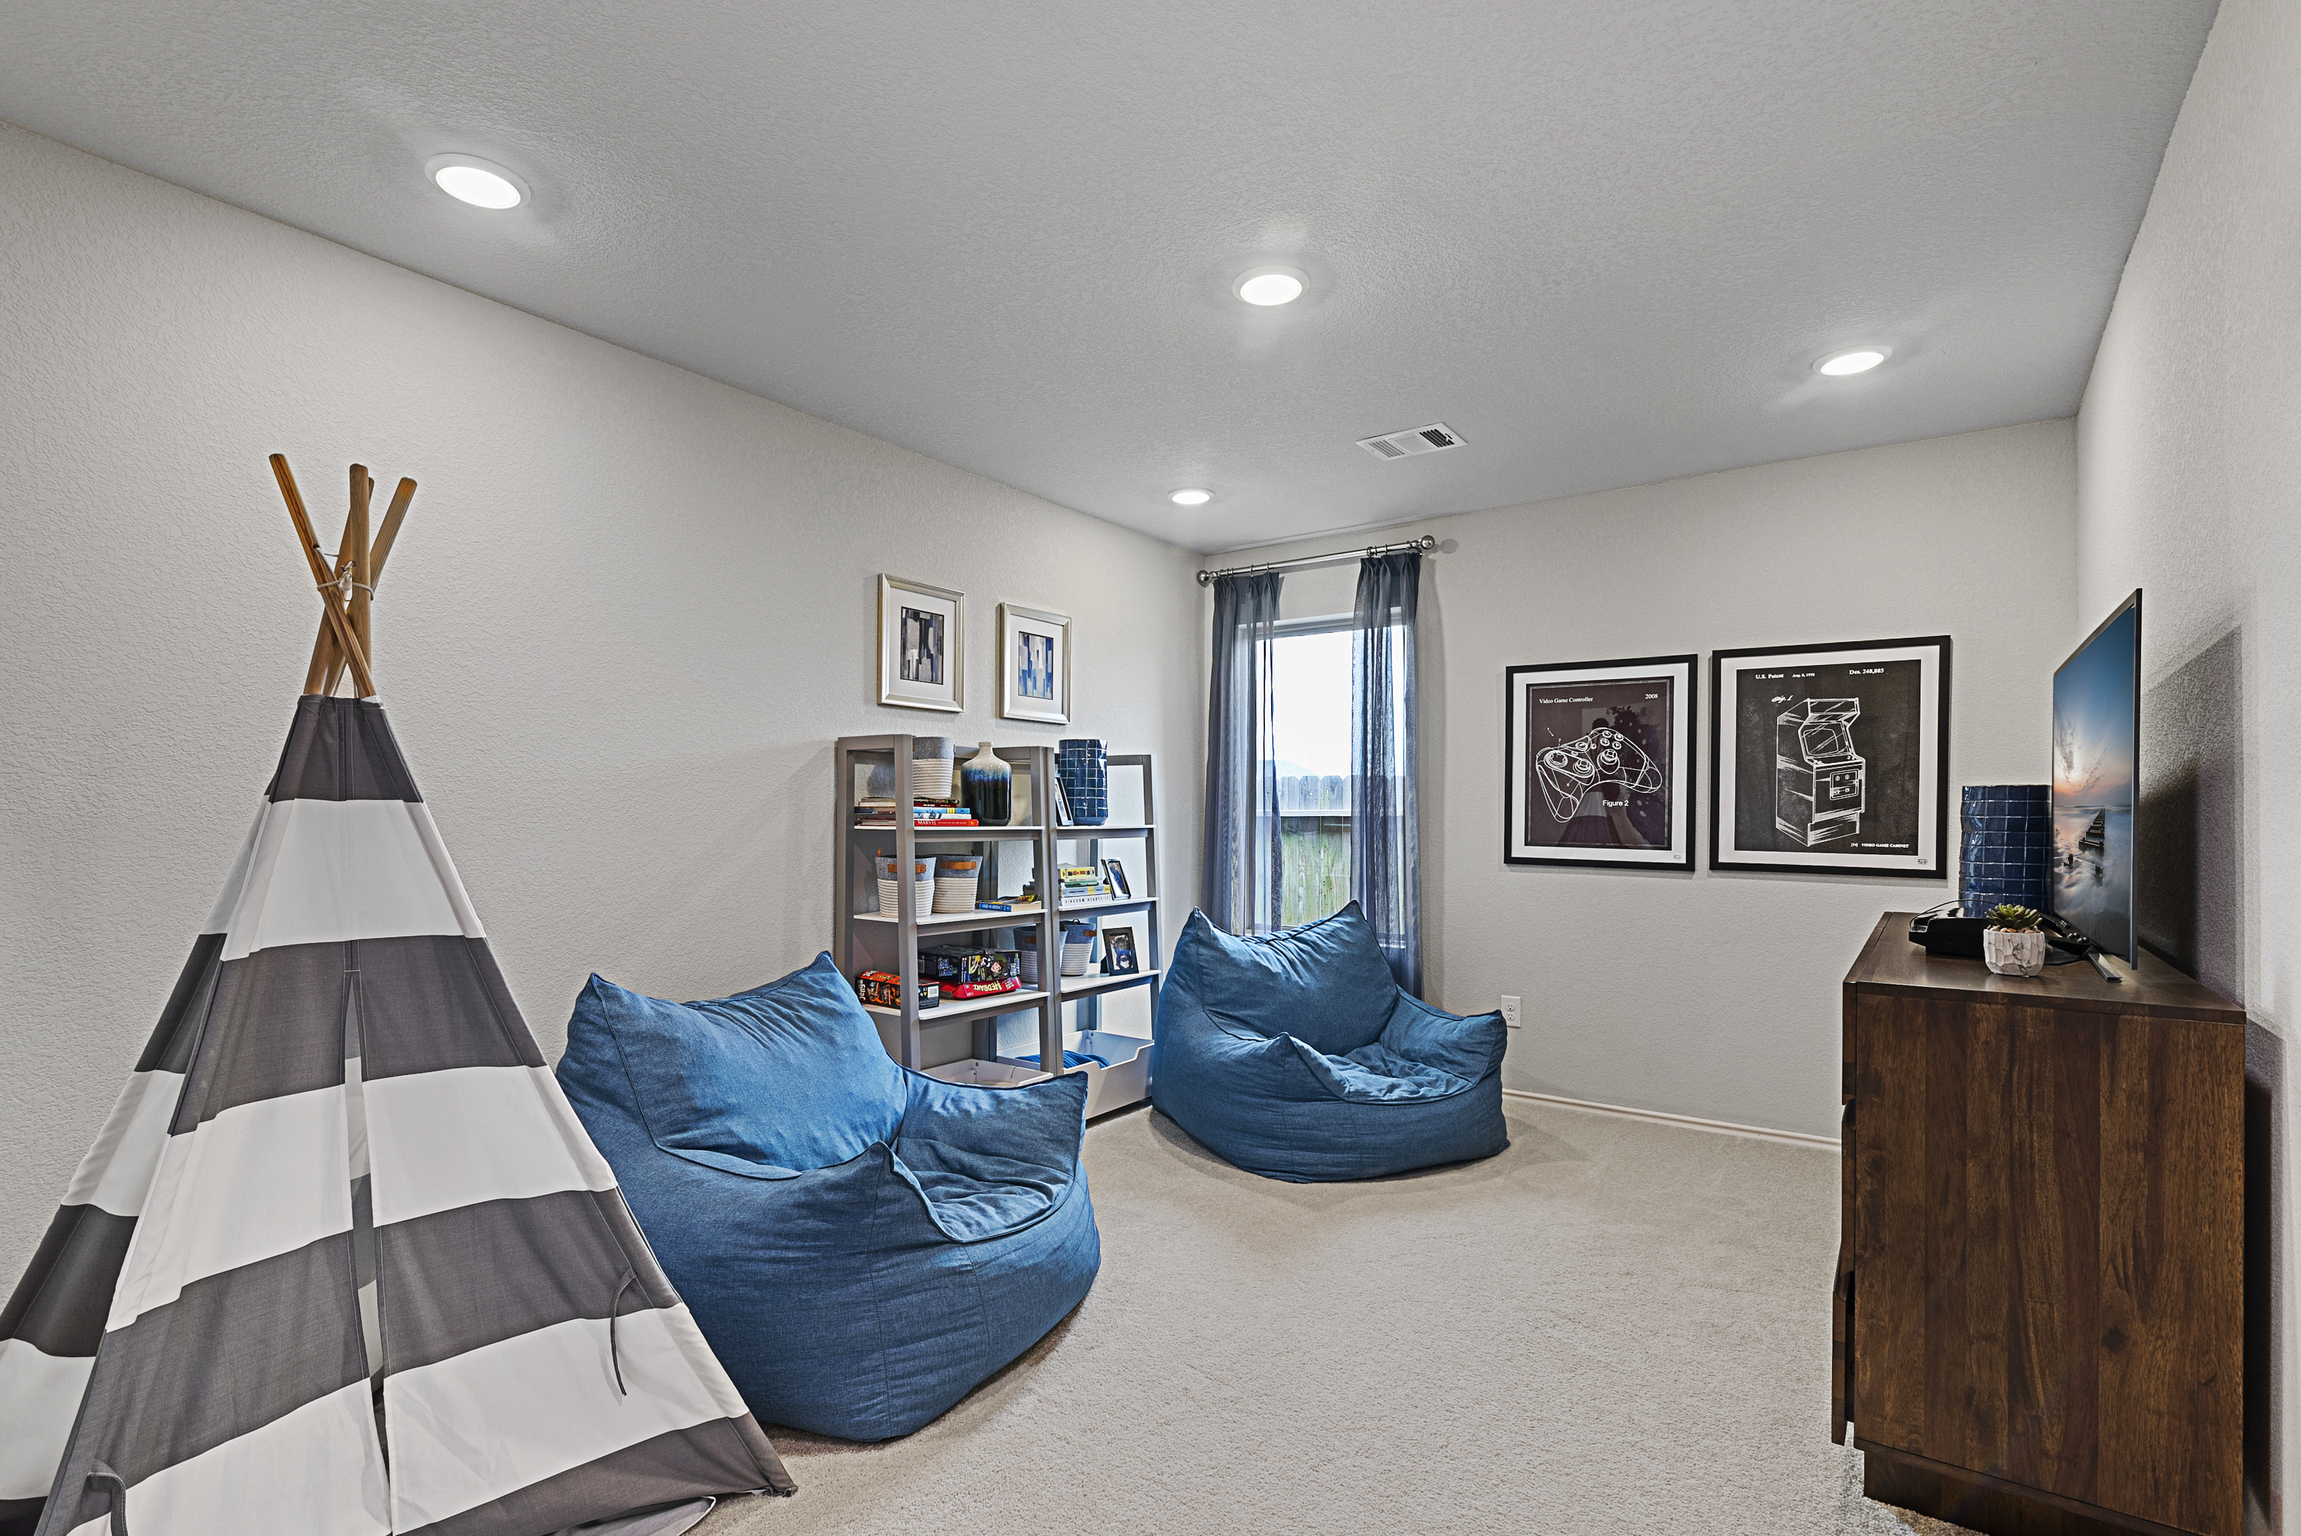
2040	1294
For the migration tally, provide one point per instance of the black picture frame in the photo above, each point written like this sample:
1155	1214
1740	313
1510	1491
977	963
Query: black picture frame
1117	876
1548	777
1119	957
1900	765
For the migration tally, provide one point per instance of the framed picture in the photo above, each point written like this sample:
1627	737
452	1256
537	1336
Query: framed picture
1831	758
922	645
1119	953
1118	879
1600	763
1034	665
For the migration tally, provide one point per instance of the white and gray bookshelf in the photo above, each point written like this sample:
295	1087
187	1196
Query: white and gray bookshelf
1035	847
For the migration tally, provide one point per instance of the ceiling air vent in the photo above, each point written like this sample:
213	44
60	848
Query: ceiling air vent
1399	445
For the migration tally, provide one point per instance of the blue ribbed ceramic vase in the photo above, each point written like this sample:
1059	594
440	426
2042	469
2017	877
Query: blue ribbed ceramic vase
1083	764
2005	838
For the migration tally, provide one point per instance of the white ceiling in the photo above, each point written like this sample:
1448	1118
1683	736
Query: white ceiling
1604	240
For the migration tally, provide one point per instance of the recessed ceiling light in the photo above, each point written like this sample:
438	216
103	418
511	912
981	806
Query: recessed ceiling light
1191	498
1861	360
1270	285
481	183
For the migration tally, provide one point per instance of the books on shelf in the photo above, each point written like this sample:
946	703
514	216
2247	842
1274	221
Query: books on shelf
1084	884
876	811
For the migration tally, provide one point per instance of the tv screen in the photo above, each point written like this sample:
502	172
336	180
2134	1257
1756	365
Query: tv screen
2096	760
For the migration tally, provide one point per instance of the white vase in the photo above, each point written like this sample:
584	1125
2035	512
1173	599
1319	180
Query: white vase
2011	952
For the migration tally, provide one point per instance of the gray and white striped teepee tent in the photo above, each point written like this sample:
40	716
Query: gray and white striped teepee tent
342	1261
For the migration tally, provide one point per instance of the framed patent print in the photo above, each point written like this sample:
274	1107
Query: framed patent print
1831	759
1599	763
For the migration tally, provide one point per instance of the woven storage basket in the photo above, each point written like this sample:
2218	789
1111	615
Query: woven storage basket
922	893
955	882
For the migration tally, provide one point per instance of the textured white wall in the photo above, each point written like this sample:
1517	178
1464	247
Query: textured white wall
1715	994
630	611
2189	476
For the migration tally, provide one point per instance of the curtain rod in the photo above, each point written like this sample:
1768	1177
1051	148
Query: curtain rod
1425	544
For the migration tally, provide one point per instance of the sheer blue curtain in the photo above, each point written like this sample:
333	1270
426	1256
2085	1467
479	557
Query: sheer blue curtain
1241	862
1385	867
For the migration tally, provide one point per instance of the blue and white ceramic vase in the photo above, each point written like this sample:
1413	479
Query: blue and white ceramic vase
1083	764
987	787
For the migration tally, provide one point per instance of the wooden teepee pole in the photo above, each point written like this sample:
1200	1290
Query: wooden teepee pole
331	602
327	661
356	531
327	664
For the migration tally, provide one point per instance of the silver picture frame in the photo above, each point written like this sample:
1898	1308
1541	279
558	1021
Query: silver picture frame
1034	665
922	645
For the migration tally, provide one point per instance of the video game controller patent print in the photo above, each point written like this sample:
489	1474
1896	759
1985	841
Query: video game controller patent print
1605	758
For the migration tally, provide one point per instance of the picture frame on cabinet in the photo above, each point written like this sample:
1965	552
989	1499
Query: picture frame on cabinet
922	645
1034	665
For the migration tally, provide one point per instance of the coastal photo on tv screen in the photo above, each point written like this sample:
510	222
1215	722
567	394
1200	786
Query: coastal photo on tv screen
2096	738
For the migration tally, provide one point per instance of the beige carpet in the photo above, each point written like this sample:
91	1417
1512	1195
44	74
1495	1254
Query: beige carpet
1615	1326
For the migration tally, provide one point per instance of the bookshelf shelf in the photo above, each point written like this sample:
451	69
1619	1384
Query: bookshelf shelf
1020	917
957	834
968	1007
1092	986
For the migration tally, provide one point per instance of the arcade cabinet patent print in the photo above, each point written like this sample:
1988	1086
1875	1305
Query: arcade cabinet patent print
1600	763
1831	758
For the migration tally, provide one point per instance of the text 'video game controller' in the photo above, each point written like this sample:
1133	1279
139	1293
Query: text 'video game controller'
1605	757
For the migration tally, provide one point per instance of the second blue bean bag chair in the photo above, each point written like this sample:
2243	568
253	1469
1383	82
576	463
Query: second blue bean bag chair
860	1244
1296	1056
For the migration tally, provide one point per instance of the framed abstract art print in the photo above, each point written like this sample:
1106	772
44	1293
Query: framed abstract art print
1034	665
922	645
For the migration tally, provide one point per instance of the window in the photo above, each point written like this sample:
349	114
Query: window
1310	740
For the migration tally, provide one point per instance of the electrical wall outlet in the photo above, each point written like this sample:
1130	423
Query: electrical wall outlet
1510	1012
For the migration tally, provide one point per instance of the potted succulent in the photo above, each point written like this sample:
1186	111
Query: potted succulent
2014	942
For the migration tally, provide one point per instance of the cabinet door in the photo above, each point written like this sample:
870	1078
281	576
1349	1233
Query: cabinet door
2047	1251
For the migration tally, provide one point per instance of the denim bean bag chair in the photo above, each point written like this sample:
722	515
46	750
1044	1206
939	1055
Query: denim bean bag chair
1295	1055
860	1244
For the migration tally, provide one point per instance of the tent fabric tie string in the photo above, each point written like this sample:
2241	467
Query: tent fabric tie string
614	1358
102	1476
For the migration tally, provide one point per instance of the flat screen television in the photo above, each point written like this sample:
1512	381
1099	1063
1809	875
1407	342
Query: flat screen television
2096	768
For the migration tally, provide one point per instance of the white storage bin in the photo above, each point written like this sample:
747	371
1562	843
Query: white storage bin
1125	1081
978	1073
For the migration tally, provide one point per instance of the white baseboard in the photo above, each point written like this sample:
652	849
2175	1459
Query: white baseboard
1691	1122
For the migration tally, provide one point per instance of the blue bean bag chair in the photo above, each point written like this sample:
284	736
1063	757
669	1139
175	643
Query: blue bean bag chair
860	1244
1295	1055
